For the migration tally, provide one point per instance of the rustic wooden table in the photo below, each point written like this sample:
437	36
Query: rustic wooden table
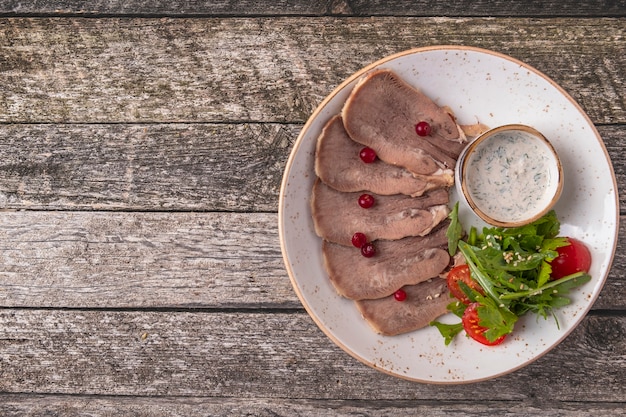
142	145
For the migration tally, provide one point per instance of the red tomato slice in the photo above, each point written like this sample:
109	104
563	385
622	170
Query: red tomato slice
572	258
474	330
461	273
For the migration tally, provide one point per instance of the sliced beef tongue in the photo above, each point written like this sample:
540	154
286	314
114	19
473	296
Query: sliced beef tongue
409	183
424	302
337	215
382	111
396	263
338	164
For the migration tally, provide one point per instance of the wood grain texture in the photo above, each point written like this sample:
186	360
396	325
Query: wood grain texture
141	151
139	260
268	69
235	355
163	167
156	260
13	405
317	8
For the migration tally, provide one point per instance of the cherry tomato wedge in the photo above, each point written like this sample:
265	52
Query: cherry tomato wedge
474	330
461	273
572	258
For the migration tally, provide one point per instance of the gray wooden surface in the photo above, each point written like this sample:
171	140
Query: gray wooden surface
142	146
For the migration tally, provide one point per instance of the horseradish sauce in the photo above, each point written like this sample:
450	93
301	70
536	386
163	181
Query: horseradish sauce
512	176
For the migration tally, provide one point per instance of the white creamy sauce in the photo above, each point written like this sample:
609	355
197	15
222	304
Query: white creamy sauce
508	177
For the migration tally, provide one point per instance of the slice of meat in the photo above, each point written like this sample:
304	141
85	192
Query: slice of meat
424	303
338	164
337	216
396	263
382	111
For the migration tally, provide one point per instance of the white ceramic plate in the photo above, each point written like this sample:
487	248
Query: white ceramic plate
478	85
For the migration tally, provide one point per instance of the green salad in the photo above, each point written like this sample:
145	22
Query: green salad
510	272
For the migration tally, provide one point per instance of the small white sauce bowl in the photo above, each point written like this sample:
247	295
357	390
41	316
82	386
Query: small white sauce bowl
509	176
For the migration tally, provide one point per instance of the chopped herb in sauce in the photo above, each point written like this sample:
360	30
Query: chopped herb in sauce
509	177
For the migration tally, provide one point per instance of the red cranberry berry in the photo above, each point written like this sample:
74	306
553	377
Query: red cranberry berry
366	201
422	129
359	239
400	295
368	250
368	155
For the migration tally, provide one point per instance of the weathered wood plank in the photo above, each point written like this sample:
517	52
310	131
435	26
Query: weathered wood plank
317	8
12	405
136	260
154	260
236	355
268	69
158	167
191	167
170	8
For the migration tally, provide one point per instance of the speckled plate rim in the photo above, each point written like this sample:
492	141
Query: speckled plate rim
282	228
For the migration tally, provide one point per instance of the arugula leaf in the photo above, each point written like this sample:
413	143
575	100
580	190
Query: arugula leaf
448	331
454	233
498	320
553	244
473	236
548	225
457	308
477	271
468	291
559	286
544	274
